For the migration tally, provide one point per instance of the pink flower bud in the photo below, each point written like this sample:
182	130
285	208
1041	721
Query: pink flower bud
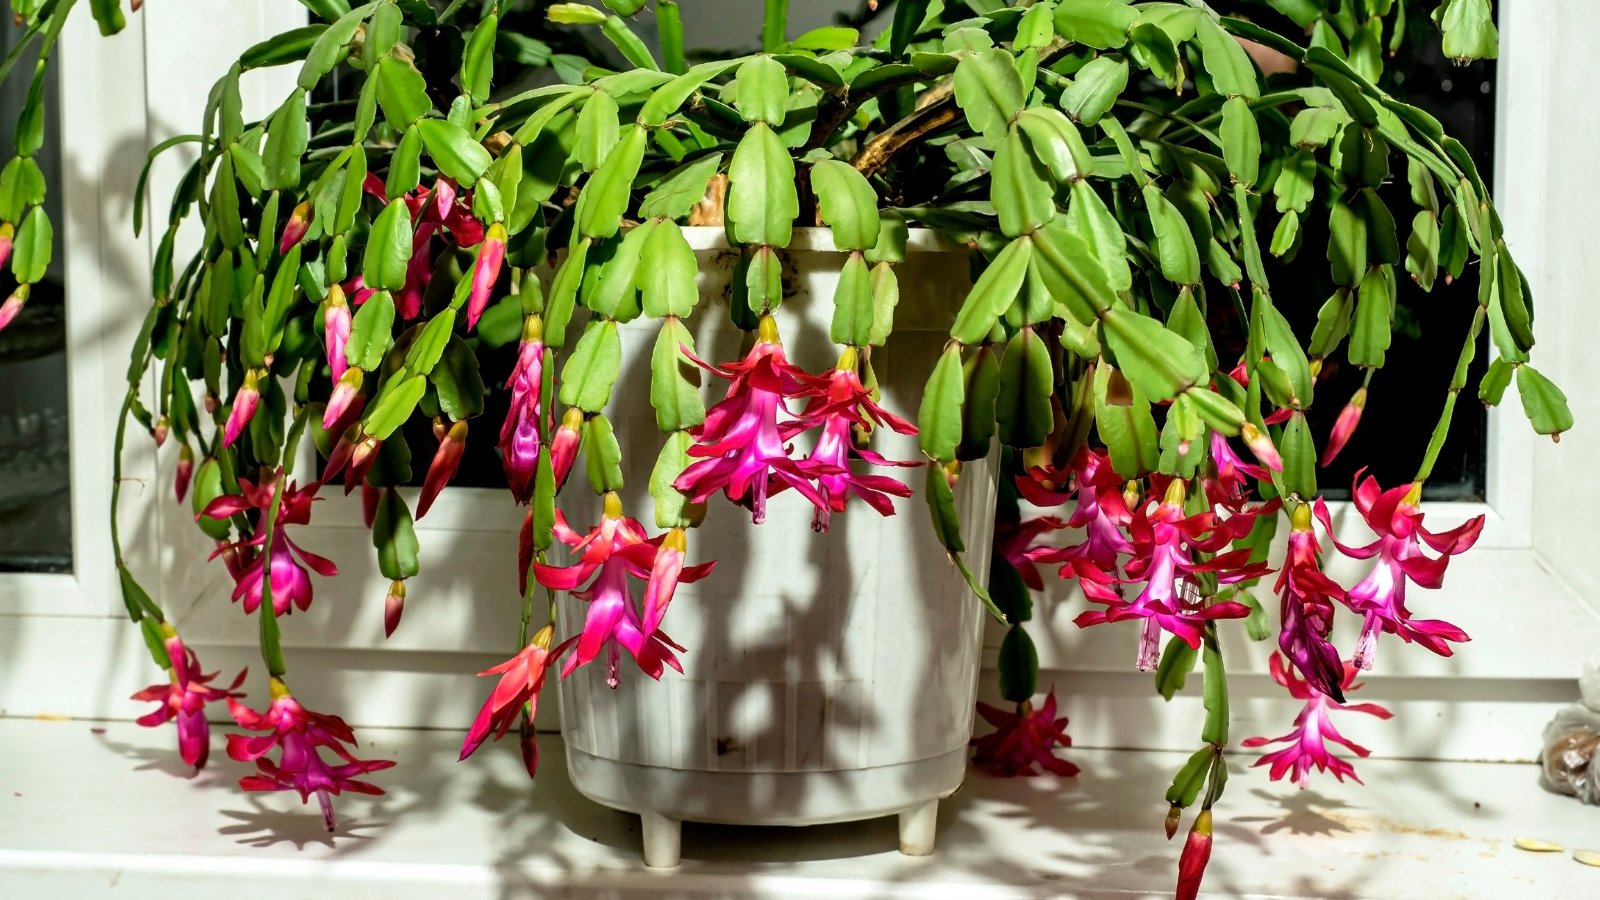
361	460
564	446
443	468
1174	818
339	402
1196	853
297	226
1345	426
180	481
369	504
1260	444
336	330
530	748
244	408
7	236
10	309
485	270
393	605
339	456
159	433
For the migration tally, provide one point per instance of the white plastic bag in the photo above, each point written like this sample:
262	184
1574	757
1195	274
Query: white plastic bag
1570	761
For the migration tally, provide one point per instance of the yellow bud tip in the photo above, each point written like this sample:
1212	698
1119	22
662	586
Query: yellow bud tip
1202	822
676	539
397	588
572	419
458	432
277	689
1300	518
767	330
613	505
1358	400
1413	496
544	636
533	328
1177	489
848	360
496	232
1316	366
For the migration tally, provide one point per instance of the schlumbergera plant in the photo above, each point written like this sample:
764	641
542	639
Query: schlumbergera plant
1114	169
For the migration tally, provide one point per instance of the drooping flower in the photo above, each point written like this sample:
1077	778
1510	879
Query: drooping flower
1164	543
740	448
1024	741
446	460
612	552
519	433
244	407
300	736
344	398
1345	426
1229	488
184	473
1381	596
12	308
1015	542
394	604
1101	511
184	699
485	270
1306	747
521	680
1306	596
297	226
336	331
838	402
1196	854
291	584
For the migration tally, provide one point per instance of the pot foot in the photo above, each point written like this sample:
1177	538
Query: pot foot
663	840
917	827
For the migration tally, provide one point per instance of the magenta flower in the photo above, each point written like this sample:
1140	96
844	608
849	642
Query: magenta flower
1230	487
1164	542
519	433
1025	741
446	460
299	735
485	270
1196	854
184	698
184	473
1345	425
1101	512
613	551
521	680
1381	596
1016	543
1307	745
336	331
1306	596
741	449
838	403
12	308
244	407
297	226
291	584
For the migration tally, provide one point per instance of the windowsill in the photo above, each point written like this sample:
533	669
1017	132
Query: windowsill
82	813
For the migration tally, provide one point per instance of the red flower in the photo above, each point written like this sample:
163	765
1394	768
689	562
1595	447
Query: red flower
1307	596
1381	596
446	460
184	698
838	403
1345	426
521	679
1196	854
740	446
1024	740
1014	542
299	735
291	584
611	552
1313	729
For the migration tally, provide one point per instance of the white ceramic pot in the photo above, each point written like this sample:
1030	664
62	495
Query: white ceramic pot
829	677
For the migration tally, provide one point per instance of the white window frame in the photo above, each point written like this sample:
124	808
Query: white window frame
1525	592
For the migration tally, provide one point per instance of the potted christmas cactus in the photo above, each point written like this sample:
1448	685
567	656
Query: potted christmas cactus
1011	258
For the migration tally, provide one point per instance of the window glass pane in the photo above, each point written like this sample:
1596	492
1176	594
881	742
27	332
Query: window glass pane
35	512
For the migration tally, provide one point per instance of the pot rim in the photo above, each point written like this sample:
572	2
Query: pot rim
818	240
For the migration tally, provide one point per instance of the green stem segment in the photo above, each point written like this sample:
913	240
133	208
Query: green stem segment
669	26
774	24
271	644
1458	382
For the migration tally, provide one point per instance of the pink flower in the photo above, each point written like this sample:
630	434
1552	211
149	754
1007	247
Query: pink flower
1345	425
1196	854
184	473
1307	744
446	460
300	736
184	698
1381	596
838	403
1025	741
1164	543
291	584
1260	444
521	680
394	603
740	447
485	270
565	444
519	433
612	552
336	331
1101	511
244	407
297	226
1015	543
1230	487
12	308
346	393
1306	596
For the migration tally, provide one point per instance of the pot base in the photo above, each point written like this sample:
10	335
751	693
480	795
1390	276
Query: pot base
665	798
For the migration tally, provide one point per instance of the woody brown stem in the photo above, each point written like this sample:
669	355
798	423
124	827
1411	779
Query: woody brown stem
929	117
